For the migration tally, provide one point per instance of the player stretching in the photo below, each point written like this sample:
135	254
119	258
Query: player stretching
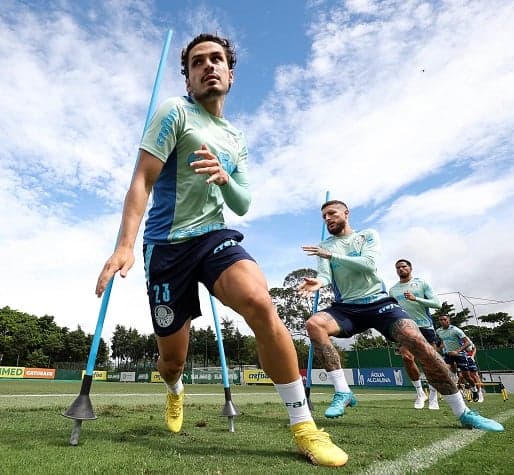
347	261
195	162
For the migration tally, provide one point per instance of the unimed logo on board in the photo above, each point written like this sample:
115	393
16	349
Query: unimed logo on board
11	372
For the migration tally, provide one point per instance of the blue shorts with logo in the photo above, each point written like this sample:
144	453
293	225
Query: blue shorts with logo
173	272
357	318
460	360
472	364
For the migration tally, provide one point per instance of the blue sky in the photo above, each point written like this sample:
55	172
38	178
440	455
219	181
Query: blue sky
403	109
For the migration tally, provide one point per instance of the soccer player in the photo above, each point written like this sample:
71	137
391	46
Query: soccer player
416	296
195	162
347	261
474	372
454	346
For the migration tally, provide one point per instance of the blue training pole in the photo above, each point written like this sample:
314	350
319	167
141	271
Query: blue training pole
107	293
81	409
308	381
229	410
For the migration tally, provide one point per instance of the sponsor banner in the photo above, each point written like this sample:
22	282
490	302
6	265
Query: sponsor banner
11	372
39	373
97	375
379	376
128	376
143	377
112	376
156	377
319	377
256	376
207	376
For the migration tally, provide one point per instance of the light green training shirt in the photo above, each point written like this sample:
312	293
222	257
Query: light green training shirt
418	310
352	270
183	205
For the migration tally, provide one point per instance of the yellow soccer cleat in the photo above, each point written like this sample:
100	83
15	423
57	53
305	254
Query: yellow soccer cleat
316	445
174	414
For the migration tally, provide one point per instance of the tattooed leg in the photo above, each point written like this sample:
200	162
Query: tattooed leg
328	355
407	333
319	328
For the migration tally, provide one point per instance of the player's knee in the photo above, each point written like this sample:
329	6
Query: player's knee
258	305
314	329
171	364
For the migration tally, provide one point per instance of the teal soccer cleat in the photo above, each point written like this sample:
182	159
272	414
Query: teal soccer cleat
473	420
339	404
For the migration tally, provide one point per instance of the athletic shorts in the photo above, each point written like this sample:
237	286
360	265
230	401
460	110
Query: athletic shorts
461	360
472	364
173	272
357	318
429	334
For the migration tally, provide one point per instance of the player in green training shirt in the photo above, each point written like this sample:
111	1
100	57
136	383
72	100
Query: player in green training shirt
416	296
347	261
195	162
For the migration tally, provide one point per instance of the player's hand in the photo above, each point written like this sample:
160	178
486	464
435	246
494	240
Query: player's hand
317	251
208	164
409	296
308	286
122	260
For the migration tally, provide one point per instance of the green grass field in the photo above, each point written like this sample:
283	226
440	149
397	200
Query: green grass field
384	434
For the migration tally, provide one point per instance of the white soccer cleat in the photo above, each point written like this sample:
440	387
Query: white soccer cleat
419	403
434	405
480	396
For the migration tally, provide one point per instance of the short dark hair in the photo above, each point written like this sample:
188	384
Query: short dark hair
333	202
403	260
228	47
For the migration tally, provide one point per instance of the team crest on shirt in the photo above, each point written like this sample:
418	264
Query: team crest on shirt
163	315
227	164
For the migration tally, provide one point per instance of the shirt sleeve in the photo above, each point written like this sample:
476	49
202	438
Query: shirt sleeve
161	134
431	300
236	192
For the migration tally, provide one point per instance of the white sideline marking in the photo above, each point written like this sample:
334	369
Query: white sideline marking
421	459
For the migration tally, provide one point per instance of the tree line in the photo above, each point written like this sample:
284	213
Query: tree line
31	341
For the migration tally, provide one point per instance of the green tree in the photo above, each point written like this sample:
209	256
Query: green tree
502	334
366	340
19	336
294	309
76	345
203	349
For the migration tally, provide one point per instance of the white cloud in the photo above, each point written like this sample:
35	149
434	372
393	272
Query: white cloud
390	105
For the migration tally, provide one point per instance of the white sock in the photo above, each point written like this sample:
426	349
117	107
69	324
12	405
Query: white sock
433	393
176	388
338	379
419	387
456	403
293	395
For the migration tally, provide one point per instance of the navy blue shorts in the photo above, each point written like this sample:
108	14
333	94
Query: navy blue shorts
461	360
429	334
173	272
472	364
357	318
